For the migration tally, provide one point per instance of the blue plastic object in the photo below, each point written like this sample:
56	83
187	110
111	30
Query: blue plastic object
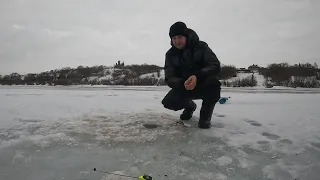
223	100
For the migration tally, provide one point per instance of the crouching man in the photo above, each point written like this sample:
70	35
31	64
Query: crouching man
191	70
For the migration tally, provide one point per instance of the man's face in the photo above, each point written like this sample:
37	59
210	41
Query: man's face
179	41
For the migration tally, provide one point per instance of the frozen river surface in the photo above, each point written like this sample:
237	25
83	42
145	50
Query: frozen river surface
55	133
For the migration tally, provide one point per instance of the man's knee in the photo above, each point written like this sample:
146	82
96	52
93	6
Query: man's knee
212	89
174	100
167	103
212	82
170	104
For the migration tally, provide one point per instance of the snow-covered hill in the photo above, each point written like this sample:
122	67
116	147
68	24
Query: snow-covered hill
139	75
114	76
259	78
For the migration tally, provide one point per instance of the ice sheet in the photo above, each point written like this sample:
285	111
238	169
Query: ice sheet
64	132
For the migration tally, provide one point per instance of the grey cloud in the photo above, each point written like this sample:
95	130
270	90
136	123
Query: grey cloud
41	35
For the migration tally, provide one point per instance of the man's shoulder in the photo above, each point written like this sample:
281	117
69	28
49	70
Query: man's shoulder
170	52
202	45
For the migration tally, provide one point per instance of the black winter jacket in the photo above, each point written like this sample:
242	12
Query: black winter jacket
196	59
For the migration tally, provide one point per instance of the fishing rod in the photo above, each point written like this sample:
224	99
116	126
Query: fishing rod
142	177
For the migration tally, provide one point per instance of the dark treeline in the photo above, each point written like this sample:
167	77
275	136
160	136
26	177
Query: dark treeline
96	75
281	74
297	75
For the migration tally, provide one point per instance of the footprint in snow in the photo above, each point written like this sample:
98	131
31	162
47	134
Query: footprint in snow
253	123
285	141
271	136
218	125
220	115
111	95
263	142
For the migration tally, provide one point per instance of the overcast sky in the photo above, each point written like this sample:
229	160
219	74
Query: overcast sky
40	35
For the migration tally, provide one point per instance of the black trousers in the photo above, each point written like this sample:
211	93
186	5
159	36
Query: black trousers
206	89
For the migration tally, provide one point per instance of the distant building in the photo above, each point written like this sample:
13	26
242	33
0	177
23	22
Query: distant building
243	70
254	67
119	65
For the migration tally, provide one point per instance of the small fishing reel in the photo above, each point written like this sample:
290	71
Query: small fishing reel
145	177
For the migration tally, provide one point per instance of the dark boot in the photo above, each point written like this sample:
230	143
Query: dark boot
188	111
205	116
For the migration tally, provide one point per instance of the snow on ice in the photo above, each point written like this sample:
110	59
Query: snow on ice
65	132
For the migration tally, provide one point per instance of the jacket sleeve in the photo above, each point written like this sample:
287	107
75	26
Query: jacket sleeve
211	62
170	75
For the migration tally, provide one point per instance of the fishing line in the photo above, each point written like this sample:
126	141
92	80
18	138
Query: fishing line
143	177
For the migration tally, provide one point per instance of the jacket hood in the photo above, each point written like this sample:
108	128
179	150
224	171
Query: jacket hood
192	39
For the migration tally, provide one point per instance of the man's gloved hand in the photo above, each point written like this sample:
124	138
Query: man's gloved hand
191	82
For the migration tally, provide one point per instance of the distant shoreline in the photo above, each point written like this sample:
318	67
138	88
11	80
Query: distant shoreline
256	89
